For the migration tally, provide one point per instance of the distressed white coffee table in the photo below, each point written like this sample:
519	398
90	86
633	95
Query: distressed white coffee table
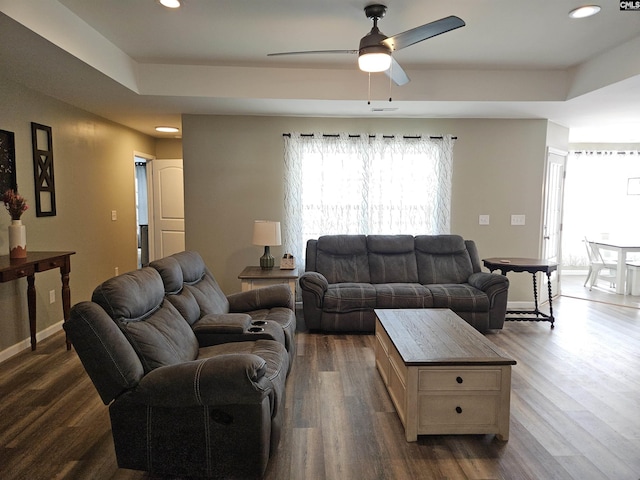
443	376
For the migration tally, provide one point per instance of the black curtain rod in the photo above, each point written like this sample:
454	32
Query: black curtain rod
358	136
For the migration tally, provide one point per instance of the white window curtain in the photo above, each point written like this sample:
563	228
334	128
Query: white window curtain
365	184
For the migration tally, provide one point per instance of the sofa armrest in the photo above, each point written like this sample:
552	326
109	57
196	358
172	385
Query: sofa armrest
484	280
221	380
271	296
316	284
497	289
223	323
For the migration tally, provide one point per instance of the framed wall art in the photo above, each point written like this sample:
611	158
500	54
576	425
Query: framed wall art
45	187
7	162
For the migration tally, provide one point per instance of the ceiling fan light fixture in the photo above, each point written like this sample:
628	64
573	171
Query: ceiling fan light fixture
584	11
374	58
374	62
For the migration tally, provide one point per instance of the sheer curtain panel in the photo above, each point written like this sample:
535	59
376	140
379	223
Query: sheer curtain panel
365	184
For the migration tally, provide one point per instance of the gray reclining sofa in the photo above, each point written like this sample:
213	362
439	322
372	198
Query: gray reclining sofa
196	398
347	276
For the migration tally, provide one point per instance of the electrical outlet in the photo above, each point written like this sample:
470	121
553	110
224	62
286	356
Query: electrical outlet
517	219
52	296
483	219
114	215
116	271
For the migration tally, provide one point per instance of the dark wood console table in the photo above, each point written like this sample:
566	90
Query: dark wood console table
532	266
12	269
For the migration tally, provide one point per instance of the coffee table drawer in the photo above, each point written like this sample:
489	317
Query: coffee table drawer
454	379
456	410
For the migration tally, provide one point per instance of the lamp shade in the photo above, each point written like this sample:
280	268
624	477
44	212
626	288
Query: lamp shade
266	233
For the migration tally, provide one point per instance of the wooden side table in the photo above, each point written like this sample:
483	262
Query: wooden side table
12	269
532	266
255	277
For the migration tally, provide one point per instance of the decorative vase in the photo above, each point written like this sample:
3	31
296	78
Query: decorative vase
17	239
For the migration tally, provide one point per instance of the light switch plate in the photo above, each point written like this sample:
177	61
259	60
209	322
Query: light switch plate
483	220
517	219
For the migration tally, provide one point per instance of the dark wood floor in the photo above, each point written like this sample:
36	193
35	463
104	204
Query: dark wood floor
575	411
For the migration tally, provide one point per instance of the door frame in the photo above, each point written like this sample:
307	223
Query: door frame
545	209
149	158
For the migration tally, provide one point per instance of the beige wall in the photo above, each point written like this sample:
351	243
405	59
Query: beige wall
94	174
234	175
169	148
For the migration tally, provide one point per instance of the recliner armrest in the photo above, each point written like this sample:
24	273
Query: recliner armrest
484	280
316	283
271	296
221	380
223	323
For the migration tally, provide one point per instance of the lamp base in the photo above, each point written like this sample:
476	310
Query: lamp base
267	261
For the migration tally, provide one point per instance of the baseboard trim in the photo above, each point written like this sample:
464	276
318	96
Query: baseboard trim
520	306
26	343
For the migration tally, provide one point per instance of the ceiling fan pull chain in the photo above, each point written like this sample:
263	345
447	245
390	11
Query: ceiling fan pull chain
390	80
369	91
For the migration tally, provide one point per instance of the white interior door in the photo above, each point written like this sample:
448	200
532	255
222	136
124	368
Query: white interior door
552	221
168	207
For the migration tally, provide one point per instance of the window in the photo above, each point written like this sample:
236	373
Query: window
365	184
597	202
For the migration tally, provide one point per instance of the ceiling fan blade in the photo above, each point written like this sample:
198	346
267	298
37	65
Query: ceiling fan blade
310	52
418	34
397	74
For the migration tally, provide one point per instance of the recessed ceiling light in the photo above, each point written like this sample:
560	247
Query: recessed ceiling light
167	129
584	11
170	3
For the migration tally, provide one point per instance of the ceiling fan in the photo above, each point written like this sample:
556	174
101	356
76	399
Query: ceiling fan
375	51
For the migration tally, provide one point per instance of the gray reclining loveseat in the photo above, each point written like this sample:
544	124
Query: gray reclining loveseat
179	406
219	318
348	276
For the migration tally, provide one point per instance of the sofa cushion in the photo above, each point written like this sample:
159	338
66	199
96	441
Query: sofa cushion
343	258
459	297
402	295
163	338
155	329
349	297
392	259
442	259
201	283
131	295
171	273
183	299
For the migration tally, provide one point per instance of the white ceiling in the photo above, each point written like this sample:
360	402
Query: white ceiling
141	65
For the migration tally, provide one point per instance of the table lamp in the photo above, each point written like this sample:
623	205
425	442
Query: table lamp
266	233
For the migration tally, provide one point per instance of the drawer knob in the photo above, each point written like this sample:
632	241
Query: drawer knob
459	379
458	409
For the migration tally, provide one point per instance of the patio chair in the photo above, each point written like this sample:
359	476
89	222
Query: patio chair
599	268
